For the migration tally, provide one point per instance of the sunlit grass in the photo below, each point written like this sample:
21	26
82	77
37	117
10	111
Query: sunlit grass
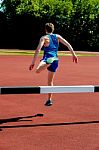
31	53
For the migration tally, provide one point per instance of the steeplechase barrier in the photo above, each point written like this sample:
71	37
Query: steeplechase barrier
48	89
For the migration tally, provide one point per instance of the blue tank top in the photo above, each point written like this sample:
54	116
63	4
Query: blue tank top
51	50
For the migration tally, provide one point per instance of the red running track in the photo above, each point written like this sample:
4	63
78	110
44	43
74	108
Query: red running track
72	123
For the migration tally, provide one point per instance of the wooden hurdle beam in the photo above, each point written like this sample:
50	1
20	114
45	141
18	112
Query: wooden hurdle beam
48	89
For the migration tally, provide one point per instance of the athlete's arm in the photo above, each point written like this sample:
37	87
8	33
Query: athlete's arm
64	42
40	45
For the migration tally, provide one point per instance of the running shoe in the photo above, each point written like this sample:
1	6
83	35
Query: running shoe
48	103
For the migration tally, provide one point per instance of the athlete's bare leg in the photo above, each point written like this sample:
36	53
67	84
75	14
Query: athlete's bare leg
50	82
42	66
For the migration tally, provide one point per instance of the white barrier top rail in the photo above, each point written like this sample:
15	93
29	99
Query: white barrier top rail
48	89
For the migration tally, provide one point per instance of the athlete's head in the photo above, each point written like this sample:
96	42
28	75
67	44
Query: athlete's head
49	27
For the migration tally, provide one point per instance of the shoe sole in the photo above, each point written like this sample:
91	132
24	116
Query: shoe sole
49	104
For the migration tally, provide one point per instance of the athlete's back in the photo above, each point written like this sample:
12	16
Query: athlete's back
51	44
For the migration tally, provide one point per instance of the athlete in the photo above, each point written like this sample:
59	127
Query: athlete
50	44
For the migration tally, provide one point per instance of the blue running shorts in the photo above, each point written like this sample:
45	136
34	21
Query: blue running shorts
53	66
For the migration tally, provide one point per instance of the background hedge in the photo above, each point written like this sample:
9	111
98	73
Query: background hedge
22	22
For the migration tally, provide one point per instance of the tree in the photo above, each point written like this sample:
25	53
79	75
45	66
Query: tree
76	20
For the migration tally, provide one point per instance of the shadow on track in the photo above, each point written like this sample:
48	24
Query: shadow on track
47	124
19	118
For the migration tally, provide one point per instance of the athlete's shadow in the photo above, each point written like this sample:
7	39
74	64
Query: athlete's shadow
17	119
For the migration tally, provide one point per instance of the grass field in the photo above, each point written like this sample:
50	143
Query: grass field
30	52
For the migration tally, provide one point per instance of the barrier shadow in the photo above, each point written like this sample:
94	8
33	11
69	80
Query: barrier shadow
49	124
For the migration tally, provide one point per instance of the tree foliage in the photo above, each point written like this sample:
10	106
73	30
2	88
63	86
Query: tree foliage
75	20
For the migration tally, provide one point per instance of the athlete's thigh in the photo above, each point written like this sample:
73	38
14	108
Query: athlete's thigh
50	77
42	66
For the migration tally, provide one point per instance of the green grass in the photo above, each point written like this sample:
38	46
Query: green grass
30	53
16	52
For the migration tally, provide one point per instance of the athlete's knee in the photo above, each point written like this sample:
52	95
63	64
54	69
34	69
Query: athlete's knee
37	71
50	83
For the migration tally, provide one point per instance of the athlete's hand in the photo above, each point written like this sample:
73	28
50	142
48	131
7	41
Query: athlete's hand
75	59
31	67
